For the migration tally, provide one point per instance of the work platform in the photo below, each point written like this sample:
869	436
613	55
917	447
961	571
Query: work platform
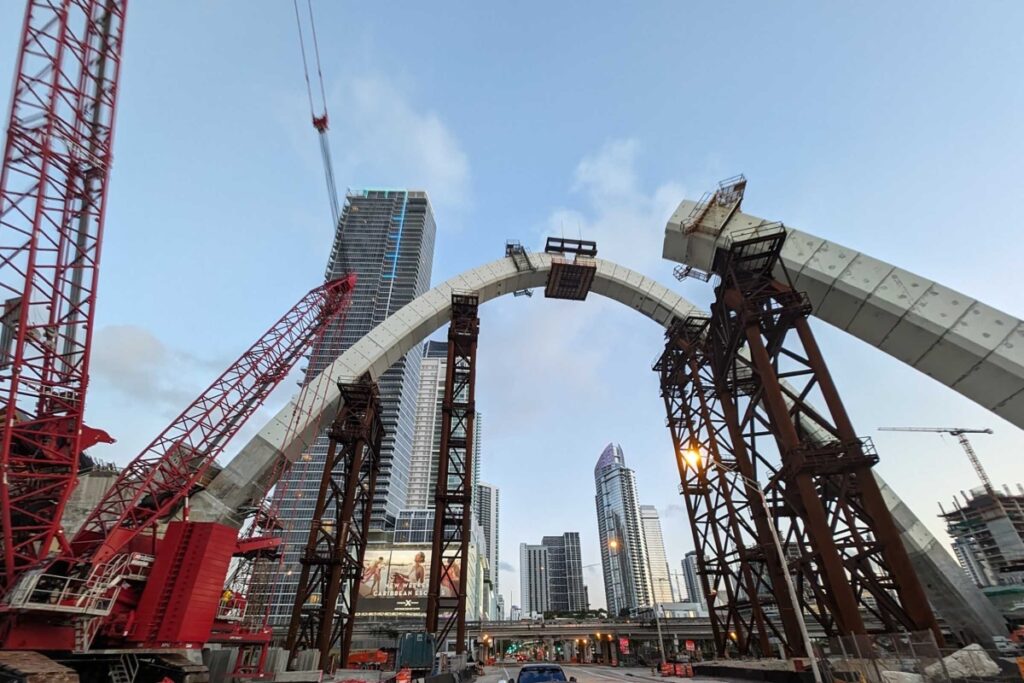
570	277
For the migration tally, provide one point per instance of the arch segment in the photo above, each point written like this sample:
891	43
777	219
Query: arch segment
972	348
285	436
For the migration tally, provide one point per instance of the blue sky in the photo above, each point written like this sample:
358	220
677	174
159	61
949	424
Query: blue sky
892	128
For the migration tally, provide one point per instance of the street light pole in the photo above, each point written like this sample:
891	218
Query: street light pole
657	619
694	458
792	588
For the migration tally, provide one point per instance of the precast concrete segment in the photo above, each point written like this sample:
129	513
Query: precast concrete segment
970	347
245	477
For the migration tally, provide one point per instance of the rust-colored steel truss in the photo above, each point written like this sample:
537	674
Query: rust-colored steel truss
446	601
737	563
741	389
324	613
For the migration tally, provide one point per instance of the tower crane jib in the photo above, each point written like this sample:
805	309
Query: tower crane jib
961	434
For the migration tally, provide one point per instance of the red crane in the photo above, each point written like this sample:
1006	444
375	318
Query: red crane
98	584
154	484
53	192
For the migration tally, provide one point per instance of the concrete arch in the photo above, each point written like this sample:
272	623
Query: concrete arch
246	475
245	478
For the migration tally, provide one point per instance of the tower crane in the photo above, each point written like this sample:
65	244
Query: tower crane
961	434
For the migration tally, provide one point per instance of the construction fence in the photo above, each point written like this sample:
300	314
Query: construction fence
912	658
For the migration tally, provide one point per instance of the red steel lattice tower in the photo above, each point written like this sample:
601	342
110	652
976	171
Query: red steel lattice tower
53	191
446	596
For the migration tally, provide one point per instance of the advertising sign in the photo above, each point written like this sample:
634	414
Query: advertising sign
691	646
395	581
624	645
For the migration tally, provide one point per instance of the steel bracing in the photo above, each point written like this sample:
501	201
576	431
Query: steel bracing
853	573
446	597
739	567
53	190
324	613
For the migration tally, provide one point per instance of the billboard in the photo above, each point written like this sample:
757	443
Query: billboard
395	582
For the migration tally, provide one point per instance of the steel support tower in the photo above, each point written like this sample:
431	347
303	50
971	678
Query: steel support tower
738	564
767	376
446	598
325	605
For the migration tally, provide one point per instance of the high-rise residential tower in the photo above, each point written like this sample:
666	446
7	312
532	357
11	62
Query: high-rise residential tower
661	581
500	607
533	580
623	550
487	502
426	439
693	590
385	237
565	573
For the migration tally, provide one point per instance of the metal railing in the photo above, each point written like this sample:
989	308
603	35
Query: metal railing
93	595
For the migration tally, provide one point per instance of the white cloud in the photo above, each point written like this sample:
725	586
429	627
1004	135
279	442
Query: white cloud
385	141
134	363
627	222
132	367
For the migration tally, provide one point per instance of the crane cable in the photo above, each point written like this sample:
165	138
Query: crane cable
305	64
316	53
320	123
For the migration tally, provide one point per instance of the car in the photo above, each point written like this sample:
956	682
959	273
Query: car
543	673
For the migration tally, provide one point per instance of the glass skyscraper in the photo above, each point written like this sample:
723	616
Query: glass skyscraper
693	590
565	573
661	582
487	508
385	237
426	440
623	547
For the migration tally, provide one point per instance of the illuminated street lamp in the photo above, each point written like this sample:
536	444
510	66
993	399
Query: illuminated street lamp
694	459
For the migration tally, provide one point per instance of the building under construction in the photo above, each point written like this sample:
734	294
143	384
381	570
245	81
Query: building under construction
987	528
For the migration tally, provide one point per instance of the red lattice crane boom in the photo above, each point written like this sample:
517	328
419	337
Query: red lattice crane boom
53	191
158	479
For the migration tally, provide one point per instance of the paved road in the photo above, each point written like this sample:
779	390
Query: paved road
591	674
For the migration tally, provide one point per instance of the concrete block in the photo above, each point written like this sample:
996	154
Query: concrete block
969	662
901	677
307	676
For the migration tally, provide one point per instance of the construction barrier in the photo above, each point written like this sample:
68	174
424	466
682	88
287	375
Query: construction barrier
684	670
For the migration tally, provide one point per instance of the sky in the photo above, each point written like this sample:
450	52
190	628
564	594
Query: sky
892	128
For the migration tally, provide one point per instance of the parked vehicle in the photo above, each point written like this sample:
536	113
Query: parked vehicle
542	673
